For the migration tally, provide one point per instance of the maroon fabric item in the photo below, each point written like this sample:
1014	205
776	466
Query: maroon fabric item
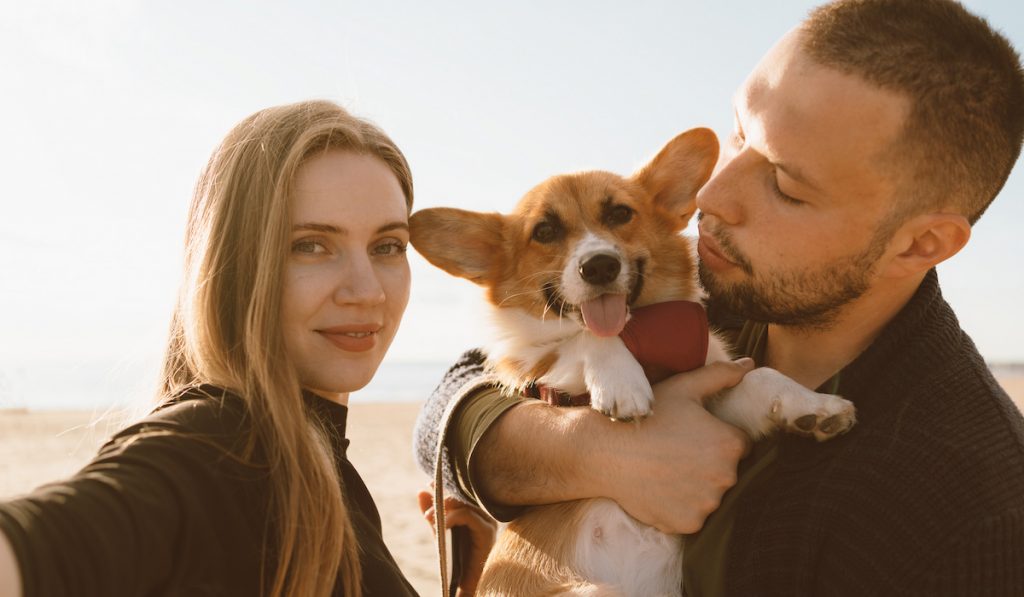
666	338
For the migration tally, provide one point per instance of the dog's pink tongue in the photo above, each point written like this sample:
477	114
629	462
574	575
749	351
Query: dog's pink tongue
605	315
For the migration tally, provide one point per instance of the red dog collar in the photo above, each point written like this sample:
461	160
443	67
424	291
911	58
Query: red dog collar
665	338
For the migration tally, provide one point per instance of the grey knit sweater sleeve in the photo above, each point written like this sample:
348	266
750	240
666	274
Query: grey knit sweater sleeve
469	369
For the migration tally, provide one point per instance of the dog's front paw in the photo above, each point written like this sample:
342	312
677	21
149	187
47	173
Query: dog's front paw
622	400
767	401
822	416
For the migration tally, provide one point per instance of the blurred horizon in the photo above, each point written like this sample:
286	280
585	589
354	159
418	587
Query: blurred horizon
111	109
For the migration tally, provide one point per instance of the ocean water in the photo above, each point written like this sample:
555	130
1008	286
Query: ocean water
99	385
130	383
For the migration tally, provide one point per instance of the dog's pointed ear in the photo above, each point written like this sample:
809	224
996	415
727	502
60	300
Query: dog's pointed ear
679	170
463	243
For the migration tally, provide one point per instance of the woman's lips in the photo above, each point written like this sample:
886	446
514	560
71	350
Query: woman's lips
352	338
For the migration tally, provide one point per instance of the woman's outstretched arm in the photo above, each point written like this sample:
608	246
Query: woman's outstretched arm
10	578
164	503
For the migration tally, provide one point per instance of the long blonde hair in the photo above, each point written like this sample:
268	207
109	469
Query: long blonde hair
226	328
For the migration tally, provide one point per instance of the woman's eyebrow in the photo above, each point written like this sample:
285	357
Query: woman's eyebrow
332	229
397	225
328	228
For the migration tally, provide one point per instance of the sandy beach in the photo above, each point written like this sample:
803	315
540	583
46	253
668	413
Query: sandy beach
36	447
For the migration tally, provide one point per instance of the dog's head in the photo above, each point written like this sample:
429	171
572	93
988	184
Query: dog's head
584	246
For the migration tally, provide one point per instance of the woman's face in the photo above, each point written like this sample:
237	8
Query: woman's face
346	281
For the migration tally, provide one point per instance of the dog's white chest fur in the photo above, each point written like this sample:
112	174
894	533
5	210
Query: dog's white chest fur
583	362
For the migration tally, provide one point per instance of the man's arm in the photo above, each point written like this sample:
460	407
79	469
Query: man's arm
669	470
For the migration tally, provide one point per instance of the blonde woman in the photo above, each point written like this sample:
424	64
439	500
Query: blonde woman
237	484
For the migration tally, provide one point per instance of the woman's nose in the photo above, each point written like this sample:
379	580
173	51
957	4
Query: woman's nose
358	284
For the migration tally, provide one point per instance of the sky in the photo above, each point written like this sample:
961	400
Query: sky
109	109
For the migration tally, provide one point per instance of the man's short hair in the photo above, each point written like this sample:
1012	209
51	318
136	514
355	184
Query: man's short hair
964	81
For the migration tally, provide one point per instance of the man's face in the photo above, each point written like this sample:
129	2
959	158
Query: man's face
798	212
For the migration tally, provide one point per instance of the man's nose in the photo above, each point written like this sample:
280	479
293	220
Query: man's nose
722	196
358	284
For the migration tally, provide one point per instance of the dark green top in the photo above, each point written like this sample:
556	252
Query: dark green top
170	507
705	554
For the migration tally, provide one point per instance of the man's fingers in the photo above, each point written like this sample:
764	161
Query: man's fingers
701	384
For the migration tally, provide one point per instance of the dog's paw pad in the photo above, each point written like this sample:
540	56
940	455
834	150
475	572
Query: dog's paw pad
833	424
825	424
836	424
806	423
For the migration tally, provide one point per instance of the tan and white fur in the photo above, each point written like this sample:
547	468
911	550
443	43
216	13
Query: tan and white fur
562	272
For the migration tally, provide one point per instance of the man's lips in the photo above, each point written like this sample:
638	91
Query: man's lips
357	337
710	253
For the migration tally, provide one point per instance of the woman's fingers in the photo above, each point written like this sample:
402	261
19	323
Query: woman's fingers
461	514
426	500
456	513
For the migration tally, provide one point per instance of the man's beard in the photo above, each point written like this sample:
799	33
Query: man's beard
798	298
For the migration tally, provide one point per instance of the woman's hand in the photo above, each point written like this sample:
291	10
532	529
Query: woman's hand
482	531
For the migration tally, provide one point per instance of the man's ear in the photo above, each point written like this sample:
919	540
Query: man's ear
926	240
679	170
463	243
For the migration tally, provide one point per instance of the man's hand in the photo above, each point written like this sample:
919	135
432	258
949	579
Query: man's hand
669	470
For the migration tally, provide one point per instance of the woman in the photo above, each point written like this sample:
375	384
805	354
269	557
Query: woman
237	484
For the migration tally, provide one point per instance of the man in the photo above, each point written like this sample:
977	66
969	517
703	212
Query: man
867	143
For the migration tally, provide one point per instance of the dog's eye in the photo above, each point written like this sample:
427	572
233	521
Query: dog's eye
618	215
546	232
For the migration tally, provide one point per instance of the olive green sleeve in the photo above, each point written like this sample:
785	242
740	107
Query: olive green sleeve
472	419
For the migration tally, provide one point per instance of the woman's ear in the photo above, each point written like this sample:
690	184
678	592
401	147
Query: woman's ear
924	241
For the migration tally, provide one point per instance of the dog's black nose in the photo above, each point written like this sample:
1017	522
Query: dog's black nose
600	269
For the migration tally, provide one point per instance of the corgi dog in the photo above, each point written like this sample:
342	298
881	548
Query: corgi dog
564	271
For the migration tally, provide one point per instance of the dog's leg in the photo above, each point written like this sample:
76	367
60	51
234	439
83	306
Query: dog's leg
617	384
767	400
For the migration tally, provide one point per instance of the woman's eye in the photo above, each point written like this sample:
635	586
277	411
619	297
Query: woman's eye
309	247
389	249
